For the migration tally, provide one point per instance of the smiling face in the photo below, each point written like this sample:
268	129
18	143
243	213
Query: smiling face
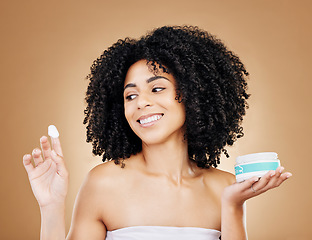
150	106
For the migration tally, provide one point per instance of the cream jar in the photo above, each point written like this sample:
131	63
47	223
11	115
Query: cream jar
255	164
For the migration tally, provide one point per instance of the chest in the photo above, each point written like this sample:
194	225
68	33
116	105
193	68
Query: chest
159	203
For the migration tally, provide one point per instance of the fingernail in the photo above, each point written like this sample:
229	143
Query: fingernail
289	175
35	151
281	170
43	138
53	153
272	174
25	156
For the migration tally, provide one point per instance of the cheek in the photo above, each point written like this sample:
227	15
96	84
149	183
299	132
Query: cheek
128	112
180	112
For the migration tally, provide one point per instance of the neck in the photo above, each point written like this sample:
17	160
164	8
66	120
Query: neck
169	159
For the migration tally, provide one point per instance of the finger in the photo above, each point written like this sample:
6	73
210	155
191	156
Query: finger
46	148
247	184
282	178
287	175
27	163
56	145
60	164
263	182
36	153
275	176
278	172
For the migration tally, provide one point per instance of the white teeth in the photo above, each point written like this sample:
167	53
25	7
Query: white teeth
150	119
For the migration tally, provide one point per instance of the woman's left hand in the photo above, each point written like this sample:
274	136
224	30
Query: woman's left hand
238	193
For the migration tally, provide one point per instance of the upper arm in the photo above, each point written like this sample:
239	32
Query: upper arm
231	178
87	220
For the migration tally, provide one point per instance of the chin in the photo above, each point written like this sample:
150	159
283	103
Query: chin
152	140
158	138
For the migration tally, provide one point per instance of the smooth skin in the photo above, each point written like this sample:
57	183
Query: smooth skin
158	187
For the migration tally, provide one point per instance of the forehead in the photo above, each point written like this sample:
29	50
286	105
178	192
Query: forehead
141	71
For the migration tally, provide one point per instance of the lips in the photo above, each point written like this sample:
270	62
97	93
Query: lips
150	118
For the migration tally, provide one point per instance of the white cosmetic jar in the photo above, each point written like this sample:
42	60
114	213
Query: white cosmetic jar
255	164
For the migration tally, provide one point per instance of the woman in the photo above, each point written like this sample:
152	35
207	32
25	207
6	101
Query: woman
163	108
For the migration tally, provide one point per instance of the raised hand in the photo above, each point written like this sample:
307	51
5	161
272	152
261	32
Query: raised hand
238	193
48	176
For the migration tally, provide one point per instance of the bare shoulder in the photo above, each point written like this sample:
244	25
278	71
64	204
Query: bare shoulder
99	181
218	179
87	221
105	175
104	169
224	176
99	190
110	177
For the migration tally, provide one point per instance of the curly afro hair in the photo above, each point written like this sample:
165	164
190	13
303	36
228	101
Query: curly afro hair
211	82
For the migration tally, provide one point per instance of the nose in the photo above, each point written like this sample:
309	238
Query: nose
144	101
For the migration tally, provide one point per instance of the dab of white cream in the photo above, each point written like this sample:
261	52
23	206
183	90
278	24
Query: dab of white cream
52	131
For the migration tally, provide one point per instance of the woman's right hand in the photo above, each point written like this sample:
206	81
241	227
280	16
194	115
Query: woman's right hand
48	176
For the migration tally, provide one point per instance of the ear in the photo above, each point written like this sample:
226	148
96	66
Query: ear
178	96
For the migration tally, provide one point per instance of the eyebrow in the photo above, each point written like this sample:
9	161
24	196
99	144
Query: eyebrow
147	81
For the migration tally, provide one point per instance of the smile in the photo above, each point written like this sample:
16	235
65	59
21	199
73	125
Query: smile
150	119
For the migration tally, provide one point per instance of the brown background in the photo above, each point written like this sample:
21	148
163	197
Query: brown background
48	47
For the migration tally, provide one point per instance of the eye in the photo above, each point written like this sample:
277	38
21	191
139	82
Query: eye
131	97
157	89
